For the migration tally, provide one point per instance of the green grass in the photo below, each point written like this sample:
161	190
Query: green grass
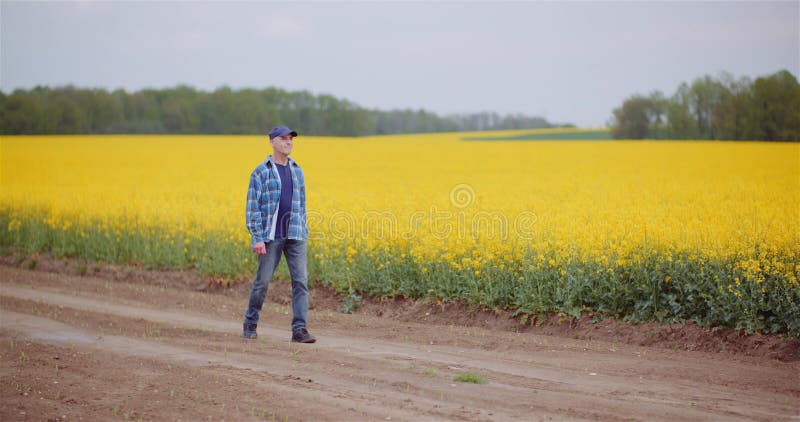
584	135
699	289
469	377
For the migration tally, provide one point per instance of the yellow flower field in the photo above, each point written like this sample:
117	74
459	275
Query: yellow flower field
660	230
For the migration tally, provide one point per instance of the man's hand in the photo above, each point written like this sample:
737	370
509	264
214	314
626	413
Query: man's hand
260	248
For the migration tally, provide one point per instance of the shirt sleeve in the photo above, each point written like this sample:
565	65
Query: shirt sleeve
253	213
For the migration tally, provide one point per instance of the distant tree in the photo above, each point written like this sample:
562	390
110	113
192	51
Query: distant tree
776	107
732	114
724	108
679	116
66	115
657	114
183	109
633	119
705	94
18	114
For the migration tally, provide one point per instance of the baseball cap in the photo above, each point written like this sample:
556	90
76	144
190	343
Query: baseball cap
281	131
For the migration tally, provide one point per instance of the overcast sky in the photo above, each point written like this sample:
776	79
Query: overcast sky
566	61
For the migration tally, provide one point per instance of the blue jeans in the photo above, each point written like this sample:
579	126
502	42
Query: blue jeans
296	256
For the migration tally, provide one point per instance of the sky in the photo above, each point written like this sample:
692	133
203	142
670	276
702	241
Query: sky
570	62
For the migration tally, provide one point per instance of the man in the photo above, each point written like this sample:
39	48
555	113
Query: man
276	220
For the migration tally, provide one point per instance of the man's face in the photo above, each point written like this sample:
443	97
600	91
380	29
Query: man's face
283	144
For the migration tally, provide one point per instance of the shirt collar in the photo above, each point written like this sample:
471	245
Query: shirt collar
270	162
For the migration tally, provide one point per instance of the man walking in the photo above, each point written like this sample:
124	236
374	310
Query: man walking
276	220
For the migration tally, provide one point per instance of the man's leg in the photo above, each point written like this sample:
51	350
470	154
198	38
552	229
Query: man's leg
296	258
266	269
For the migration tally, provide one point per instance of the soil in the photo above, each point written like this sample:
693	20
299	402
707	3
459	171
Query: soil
92	341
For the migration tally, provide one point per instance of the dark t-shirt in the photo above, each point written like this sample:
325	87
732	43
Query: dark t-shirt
285	205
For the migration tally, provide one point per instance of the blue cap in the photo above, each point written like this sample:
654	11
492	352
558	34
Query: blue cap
281	131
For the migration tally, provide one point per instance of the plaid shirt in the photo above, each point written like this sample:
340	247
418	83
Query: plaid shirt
263	197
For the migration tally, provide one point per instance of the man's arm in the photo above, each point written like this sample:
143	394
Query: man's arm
253	215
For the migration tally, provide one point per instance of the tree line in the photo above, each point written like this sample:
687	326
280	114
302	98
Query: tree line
185	110
715	108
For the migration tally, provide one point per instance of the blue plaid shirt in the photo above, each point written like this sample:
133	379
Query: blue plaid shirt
263	197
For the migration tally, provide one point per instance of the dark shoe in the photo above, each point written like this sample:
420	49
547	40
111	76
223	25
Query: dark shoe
250	330
301	335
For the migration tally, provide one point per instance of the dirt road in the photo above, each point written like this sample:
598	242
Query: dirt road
91	348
